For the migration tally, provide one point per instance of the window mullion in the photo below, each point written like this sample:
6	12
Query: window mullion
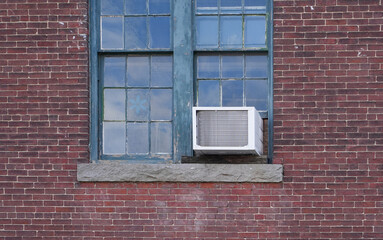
183	78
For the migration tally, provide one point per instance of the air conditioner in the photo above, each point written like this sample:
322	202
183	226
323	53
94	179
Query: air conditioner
227	130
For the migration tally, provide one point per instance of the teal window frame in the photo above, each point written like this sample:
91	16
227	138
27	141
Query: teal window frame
183	52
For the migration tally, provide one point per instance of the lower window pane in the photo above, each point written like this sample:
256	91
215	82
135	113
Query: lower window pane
161	104
138	138
256	94
208	93
114	138
138	105
114	104
232	93
161	138
137	116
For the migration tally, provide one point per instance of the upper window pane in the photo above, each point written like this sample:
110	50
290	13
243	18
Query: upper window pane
136	33
112	33
112	7
159	32
207	31
159	6
255	6
135	7
135	24
231	31
207	6
255	31
230	25
231	6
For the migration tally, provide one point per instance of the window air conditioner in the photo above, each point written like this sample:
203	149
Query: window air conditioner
227	130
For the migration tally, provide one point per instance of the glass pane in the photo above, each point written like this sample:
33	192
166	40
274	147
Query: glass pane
208	67
255	31
232	93
162	71
114	138
112	32
161	104
208	93
138	138
232	66
159	6
135	33
207	31
255	6
112	7
159	32
114	72
231	6
161	138
135	6
138	71
138	105
231	31
207	6
256	94
256	66
114	104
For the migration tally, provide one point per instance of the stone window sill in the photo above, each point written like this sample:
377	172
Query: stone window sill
120	172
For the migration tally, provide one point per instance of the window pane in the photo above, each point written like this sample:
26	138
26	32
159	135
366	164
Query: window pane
231	6
159	32
255	31
112	32
138	71
161	104
208	93
112	7
207	31
136	33
256	94
161	138
255	6
114	104
138	138
207	6
232	93
231	31
208	67
114	72
135	6
114	138
256	66
138	105
232	66
159	6
162	71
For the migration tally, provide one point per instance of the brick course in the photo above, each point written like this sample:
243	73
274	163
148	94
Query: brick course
328	134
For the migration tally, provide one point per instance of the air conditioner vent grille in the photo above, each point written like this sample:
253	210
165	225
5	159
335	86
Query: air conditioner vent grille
222	128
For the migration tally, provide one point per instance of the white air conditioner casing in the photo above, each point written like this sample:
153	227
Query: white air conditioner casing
227	130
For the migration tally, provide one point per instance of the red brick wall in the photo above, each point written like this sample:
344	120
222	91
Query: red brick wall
328	135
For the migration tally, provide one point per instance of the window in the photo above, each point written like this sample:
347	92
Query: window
152	60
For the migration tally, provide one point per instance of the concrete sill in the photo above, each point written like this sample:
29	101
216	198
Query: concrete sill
120	172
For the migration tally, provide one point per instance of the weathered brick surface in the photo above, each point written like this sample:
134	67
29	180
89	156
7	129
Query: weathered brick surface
328	134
